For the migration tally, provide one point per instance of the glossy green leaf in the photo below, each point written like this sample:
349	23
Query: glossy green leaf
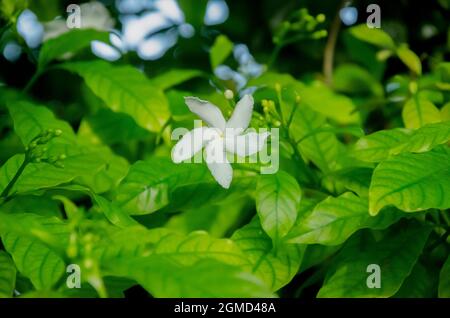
114	213
277	199
334	220
187	250
220	50
373	36
395	254
31	119
108	127
207	278
69	42
412	182
317	145
125	89
7	275
275	268
410	59
354	179
28	237
425	138
377	146
174	77
418	112
78	162
149	183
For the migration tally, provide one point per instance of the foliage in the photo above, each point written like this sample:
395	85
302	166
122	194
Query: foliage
364	161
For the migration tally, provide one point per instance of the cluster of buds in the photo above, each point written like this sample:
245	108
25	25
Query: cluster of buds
37	151
301	23
271	115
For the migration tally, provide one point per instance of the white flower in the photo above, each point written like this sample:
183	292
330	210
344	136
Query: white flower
220	137
93	15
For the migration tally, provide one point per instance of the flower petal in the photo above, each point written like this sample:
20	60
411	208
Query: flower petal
217	162
246	145
191	143
242	114
210	113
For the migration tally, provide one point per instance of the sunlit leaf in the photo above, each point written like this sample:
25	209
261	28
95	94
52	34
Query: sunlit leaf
333	220
125	89
220	50
277	199
69	42
276	268
412	182
418	112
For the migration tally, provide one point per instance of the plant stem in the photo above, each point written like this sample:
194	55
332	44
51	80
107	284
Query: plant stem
33	80
328	56
11	183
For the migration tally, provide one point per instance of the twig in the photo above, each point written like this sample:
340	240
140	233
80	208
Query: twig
328	56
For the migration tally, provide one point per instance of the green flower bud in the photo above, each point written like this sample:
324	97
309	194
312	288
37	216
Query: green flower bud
320	18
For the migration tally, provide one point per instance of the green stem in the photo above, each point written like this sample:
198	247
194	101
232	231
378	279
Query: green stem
11	183
33	80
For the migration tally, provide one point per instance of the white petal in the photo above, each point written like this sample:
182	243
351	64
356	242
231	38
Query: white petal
191	143
217	162
210	113
242	114
246	145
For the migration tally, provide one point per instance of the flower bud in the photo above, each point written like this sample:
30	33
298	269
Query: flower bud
229	94
320	18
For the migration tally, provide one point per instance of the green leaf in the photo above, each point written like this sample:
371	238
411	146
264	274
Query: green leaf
187	250
412	182
32	204
204	192
174	77
149	184
277	199
444	280
325	101
418	112
207	278
114	213
108	127
220	50
318	145
376	147
31	119
421	283
125	89
353	79
395	254
28	237
425	138
334	220
356	179
275	268
410	59
376	37
445	112
68	42
7	275
78	162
